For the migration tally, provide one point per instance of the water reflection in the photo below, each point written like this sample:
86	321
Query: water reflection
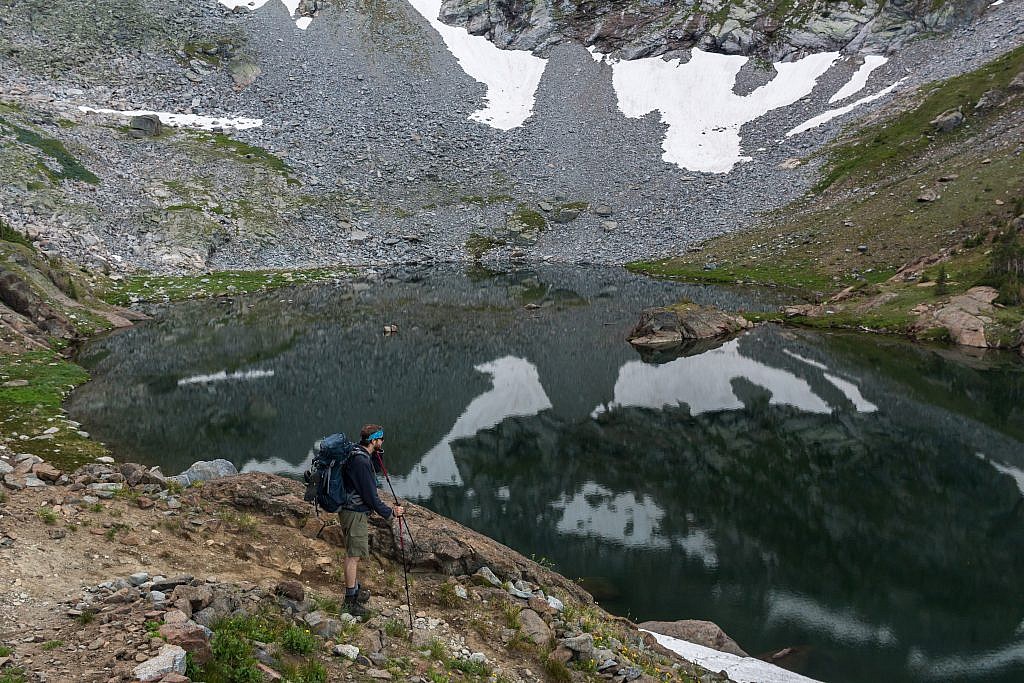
516	391
858	498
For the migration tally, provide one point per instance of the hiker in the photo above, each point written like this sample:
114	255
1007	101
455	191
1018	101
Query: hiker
359	478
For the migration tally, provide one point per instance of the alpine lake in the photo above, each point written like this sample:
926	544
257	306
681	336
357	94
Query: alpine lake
857	498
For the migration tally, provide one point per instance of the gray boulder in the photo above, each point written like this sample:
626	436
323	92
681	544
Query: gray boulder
205	470
145	126
170	659
670	327
535	627
948	120
244	71
706	633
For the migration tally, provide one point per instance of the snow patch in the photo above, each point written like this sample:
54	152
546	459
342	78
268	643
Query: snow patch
739	669
835	113
511	76
860	78
183	120
291	5
696	101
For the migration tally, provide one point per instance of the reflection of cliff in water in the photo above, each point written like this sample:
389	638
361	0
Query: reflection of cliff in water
885	535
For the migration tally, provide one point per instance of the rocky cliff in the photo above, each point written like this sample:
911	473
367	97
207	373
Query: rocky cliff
773	29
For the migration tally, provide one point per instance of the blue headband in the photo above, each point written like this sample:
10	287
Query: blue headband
379	434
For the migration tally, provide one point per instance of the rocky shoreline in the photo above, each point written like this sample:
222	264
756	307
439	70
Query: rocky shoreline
129	605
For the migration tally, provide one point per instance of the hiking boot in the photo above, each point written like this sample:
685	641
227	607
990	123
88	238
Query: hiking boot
354	608
363	596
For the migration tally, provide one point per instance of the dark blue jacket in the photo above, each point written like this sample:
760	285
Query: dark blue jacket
360	479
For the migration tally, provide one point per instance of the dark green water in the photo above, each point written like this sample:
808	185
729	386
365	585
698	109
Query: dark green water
859	499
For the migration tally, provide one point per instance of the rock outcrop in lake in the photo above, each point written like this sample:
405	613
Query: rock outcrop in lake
660	329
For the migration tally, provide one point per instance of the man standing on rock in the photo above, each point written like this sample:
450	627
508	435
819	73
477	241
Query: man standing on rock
359	478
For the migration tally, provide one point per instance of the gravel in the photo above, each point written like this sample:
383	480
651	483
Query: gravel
370	112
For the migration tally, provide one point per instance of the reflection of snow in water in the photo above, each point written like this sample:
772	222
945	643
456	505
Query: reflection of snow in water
511	76
278	466
626	519
224	376
1014	473
516	392
956	667
849	389
844	626
739	669
704	383
696	101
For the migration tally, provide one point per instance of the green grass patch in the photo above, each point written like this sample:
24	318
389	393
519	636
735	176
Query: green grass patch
6	651
52	645
396	628
72	169
234	659
165	288
478	245
470	668
32	409
47	515
13	675
247	153
529	218
311	671
298	640
876	149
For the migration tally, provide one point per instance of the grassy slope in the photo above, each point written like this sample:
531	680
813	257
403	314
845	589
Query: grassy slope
869	196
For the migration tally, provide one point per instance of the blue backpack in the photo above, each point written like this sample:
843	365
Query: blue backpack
325	486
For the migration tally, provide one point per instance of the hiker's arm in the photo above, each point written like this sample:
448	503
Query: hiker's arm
366	485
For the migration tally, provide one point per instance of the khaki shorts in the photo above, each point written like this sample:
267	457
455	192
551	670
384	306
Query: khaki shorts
357	534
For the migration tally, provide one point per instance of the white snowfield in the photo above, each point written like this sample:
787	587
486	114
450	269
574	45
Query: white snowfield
183	120
835	113
696	101
291	5
859	79
739	669
511	76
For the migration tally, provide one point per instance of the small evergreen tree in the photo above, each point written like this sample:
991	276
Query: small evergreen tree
940	281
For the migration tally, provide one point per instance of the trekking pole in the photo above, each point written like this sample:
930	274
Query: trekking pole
387	478
405	568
